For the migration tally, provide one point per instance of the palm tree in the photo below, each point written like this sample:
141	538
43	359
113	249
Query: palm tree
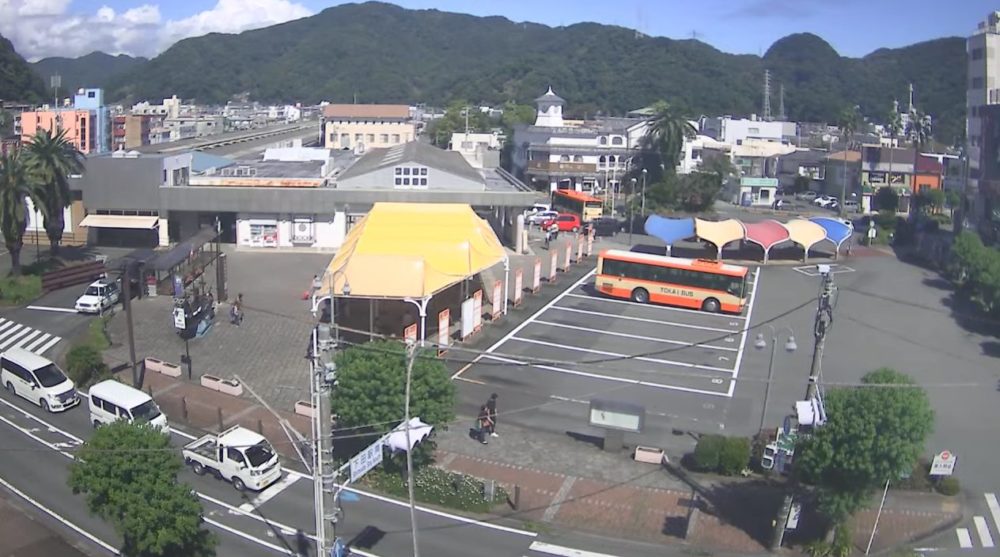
850	120
51	159
15	187
894	125
666	134
918	129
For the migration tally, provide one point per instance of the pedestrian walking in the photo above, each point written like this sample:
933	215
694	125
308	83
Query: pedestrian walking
316	284
491	410
484	423
236	311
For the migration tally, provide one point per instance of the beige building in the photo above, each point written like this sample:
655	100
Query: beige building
367	126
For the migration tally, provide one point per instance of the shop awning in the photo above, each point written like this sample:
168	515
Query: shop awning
412	250
120	221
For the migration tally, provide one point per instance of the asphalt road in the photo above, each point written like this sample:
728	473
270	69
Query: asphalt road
38	451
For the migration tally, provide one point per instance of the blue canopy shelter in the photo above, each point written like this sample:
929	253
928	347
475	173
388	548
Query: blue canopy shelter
669	231
837	231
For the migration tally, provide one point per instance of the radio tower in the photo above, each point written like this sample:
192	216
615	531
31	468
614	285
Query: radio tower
767	95
781	103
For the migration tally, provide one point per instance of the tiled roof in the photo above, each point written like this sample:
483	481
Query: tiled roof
362	111
851	156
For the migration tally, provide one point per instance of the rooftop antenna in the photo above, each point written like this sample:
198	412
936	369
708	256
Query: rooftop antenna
781	103
767	96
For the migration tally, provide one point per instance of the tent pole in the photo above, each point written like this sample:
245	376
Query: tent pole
506	282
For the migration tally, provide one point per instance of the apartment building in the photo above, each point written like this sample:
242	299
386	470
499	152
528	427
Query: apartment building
77	123
367	126
982	93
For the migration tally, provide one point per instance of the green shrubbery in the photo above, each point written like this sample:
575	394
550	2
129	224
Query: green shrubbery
975	270
439	487
722	455
948	486
16	290
85	365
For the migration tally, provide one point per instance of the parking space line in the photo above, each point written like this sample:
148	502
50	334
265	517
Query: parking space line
746	331
525	323
645	320
636	382
638	337
657	306
623	356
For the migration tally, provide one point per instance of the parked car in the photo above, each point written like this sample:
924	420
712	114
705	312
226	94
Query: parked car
607	226
567	222
238	455
806	195
538	208
540	217
824	200
113	400
37	380
99	297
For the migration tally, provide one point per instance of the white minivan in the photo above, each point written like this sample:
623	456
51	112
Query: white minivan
112	400
38	380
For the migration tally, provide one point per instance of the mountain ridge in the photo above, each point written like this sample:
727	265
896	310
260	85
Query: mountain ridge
90	70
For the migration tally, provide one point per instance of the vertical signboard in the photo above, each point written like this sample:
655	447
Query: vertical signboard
477	311
444	326
498	308
553	263
536	278
410	333
569	253
518	286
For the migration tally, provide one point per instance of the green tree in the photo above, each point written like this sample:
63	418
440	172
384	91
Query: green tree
6	123
697	191
128	474
666	134
918	129
886	200
51	159
873	433
894	126
454	120
850	120
371	382
932	199
15	188
801	184
514	114
952	200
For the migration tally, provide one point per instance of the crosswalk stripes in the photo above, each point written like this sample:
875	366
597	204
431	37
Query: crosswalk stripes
13	334
981	526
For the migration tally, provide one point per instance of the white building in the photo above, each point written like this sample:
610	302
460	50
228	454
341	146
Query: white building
592	155
695	150
482	150
170	108
735	131
982	89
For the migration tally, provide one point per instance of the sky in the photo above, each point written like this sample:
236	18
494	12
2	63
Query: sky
41	28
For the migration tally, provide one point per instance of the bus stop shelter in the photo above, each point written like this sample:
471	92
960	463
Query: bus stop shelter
411	252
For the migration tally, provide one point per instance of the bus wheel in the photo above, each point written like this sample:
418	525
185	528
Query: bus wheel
640	296
711	305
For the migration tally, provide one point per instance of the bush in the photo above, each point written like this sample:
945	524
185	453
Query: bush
948	486
20	290
734	456
707	452
439	487
941	218
85	365
919	480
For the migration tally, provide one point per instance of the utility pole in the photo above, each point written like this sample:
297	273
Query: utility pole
821	326
411	355
127	292
324	472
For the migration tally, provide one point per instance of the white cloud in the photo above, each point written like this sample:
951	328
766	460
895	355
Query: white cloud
41	28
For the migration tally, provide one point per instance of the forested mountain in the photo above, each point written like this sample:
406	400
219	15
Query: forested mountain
378	52
93	70
17	81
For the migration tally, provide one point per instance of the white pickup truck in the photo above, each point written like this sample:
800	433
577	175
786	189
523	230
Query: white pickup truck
237	455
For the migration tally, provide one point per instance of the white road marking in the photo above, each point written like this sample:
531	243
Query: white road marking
561	551
248	537
644	320
994	506
622	356
656	306
271	492
636	382
13	338
31	347
983	530
52	342
4	323
746	330
10	331
49	308
557	501
525	323
64	521
26	339
638	337
964	538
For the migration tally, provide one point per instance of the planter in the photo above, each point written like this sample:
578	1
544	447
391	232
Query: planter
649	455
230	387
170	370
153	364
304	408
211	382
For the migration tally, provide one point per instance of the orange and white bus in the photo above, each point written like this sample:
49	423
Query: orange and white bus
693	283
583	205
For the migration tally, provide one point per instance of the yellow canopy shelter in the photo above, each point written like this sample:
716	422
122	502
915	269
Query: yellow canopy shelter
719	233
805	233
411	251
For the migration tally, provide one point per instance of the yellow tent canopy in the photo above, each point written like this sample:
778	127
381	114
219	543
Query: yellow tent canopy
412	250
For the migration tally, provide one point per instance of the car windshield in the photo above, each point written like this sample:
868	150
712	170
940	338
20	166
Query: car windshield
50	375
259	453
148	411
92	291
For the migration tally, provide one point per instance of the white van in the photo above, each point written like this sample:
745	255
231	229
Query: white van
38	380
112	400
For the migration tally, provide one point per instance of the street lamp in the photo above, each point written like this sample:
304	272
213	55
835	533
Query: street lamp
760	344
643	207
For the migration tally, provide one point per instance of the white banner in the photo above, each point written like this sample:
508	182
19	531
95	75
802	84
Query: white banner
518	286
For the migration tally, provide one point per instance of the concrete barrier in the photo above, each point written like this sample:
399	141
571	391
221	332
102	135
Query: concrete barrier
230	387
211	382
649	455
165	368
305	408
